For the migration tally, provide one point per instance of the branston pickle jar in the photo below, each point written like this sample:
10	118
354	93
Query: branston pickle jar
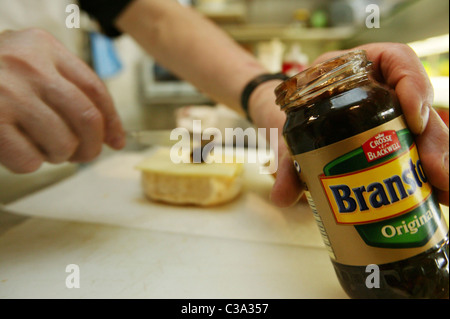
365	182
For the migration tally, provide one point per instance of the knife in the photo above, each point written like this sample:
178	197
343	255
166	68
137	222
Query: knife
152	137
162	138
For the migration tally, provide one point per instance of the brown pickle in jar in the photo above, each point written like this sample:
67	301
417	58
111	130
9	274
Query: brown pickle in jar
364	181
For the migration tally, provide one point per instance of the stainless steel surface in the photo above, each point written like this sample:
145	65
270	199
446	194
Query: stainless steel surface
150	137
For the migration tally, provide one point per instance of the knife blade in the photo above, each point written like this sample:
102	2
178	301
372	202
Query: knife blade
152	137
162	138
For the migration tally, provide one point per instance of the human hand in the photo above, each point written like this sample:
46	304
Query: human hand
52	105
397	66
287	189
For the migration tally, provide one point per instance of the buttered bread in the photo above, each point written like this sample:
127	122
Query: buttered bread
204	184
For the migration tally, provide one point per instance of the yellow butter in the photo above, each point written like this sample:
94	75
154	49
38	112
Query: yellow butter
161	163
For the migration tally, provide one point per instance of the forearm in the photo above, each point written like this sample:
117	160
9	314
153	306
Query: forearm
192	47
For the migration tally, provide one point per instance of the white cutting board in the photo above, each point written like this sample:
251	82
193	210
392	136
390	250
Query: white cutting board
109	192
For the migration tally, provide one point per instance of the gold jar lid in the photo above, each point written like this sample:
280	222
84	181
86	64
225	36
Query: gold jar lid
328	77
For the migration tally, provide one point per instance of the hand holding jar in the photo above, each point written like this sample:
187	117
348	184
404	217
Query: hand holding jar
397	66
364	179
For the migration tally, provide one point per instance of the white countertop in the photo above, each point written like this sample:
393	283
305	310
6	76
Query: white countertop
127	247
117	262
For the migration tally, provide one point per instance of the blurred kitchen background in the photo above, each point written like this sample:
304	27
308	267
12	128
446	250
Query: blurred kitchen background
285	35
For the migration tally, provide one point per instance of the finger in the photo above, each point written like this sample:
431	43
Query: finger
433	147
402	70
287	188
47	131
17	152
80	114
77	72
398	66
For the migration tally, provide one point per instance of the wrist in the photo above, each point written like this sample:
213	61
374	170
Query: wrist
262	108
254	85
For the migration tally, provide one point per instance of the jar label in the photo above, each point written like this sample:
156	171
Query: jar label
377	193
370	192
381	145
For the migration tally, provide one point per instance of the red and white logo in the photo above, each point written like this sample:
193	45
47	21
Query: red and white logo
381	145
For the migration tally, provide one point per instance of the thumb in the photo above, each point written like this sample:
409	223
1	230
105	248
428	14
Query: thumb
287	189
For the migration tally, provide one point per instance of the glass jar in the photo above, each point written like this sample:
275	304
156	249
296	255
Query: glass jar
378	217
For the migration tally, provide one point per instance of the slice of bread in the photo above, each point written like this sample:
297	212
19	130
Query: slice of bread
188	183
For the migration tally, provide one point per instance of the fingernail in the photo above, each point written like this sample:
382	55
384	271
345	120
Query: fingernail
117	141
424	116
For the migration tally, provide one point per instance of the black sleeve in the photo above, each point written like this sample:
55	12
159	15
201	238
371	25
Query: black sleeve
105	12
